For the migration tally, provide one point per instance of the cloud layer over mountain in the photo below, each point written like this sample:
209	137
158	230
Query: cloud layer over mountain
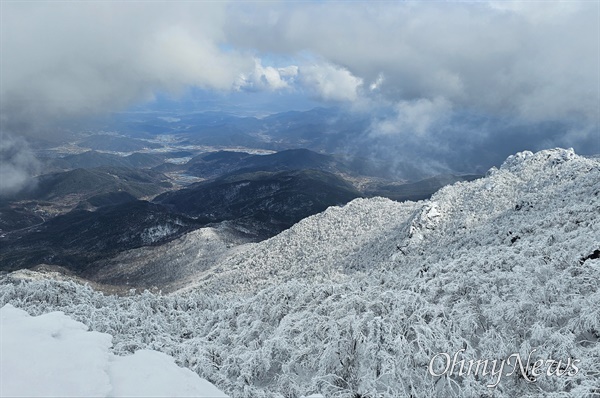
436	74
536	61
531	60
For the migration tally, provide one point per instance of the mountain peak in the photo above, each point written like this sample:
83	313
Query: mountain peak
548	157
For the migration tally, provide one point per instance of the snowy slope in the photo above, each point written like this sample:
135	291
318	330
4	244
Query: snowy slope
543	200
169	266
355	301
54	356
323	247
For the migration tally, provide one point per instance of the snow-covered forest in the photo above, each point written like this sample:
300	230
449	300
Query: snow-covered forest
355	301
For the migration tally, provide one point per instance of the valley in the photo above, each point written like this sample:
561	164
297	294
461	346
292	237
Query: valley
108	197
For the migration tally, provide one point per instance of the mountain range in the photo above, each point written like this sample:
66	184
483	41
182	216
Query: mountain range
360	300
105	204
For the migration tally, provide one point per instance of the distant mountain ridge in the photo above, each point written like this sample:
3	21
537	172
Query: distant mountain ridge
57	193
418	190
105	142
266	201
257	195
93	159
76	239
93	181
259	204
221	163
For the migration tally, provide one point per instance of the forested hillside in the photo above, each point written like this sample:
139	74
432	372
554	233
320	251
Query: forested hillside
357	300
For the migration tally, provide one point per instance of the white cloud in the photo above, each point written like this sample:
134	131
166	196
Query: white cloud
17	164
536	61
527	61
413	118
174	57
330	82
377	83
536	12
65	59
267	78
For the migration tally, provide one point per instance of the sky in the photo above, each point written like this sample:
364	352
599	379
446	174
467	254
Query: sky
508	68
